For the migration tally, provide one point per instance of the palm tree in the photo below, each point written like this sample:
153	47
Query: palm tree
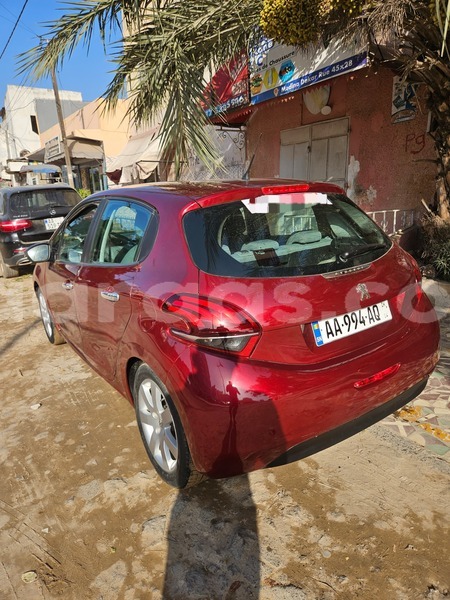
170	46
162	60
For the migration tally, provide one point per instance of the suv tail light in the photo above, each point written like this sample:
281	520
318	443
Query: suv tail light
15	225
216	324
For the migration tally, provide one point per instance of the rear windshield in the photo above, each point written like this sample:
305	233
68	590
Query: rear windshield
282	236
35	203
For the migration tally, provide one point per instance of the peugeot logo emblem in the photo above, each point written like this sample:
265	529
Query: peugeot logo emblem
361	288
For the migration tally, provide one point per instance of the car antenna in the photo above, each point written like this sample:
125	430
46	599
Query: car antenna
246	175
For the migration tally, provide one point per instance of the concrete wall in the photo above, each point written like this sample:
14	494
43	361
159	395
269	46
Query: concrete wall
389	165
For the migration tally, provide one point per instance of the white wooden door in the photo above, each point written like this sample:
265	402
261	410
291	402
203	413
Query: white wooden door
316	152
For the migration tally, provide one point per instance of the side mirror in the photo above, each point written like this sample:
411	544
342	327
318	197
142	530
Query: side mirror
38	253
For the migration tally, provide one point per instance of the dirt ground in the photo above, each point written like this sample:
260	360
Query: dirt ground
83	516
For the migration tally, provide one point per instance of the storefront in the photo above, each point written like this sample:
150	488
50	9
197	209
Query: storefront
87	159
331	116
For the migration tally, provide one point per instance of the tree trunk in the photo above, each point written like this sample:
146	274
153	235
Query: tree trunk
443	207
439	104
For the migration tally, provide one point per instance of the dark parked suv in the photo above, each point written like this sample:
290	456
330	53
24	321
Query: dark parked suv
30	214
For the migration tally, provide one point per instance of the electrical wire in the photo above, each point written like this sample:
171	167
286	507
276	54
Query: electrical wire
13	29
13	15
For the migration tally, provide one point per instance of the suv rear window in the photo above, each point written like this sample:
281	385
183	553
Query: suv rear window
31	204
283	235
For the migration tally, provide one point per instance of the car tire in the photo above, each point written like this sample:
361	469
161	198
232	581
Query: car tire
161	430
53	335
6	271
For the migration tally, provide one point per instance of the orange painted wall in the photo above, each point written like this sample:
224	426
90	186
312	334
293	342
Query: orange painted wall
395	161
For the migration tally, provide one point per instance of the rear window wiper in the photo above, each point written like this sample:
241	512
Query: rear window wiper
361	250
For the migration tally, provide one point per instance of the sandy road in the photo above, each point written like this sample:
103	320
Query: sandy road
83	514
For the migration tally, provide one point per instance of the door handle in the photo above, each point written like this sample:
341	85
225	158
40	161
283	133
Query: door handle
67	285
111	296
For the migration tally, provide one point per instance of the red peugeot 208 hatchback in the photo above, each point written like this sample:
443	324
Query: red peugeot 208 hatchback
250	323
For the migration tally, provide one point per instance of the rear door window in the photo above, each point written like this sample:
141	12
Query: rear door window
120	233
283	235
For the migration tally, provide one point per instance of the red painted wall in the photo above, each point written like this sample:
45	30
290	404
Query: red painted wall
395	160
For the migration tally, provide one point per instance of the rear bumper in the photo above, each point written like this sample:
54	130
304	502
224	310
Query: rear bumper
13	252
18	260
12	258
325	440
243	416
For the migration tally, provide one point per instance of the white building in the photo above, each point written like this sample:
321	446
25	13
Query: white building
28	111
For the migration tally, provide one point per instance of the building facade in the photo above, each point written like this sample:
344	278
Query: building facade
384	161
28	111
30	137
95	137
332	116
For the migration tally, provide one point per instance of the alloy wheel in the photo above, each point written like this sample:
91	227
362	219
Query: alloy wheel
157	425
46	318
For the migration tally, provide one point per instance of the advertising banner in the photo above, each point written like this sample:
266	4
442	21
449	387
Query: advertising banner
404	101
228	89
276	70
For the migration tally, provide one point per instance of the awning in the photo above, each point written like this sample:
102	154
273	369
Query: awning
139	158
83	150
37	155
40	169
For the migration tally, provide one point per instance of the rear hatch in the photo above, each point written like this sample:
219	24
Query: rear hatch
41	211
319	278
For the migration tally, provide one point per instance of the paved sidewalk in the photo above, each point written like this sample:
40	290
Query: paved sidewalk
426	420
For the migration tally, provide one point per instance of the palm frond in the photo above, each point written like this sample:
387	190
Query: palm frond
79	22
167	47
165	66
443	26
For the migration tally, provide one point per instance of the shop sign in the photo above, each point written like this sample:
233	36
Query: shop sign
228	89
52	148
276	70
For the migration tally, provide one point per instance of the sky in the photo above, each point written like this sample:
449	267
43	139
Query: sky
88	72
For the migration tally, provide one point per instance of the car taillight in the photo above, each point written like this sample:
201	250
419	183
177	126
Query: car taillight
15	225
214	323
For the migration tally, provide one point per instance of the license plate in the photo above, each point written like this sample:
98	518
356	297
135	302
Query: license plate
53	222
336	328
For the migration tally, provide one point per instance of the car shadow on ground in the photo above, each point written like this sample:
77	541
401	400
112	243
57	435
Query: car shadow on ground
213	547
212	536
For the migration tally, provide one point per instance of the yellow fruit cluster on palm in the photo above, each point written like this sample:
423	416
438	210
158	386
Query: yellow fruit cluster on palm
292	22
299	22
344	7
